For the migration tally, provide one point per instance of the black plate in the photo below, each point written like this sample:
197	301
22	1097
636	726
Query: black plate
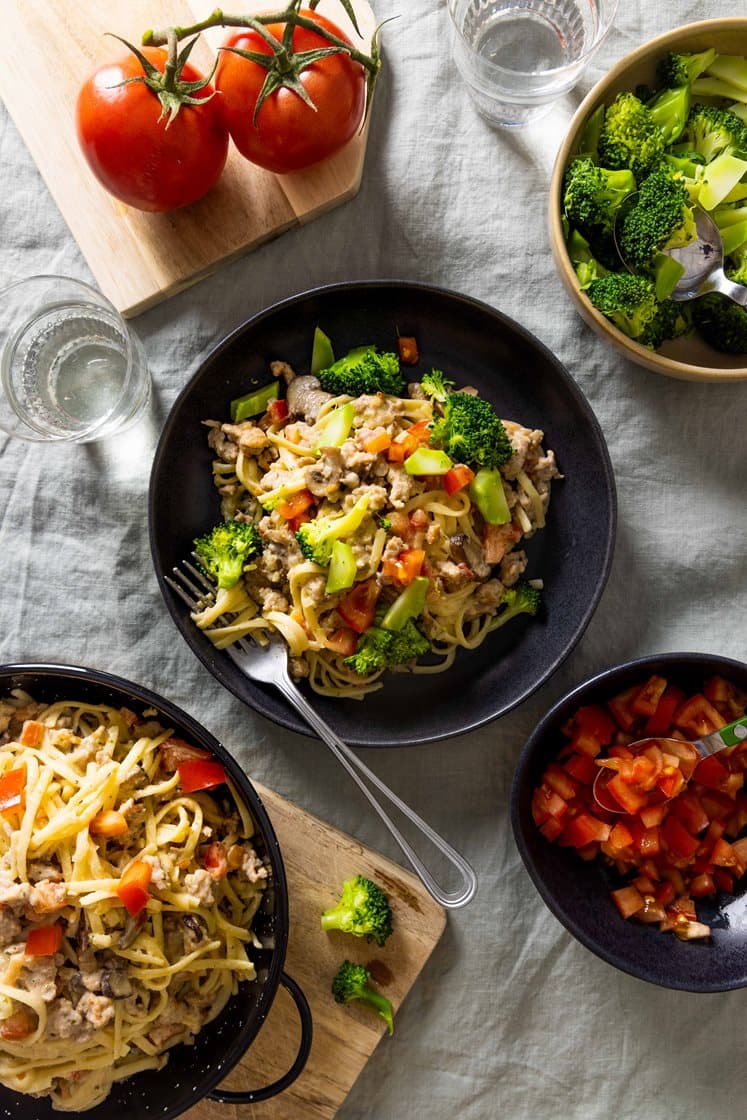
473	344
578	893
191	1071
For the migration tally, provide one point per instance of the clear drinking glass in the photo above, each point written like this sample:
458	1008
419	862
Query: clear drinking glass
518	56
71	370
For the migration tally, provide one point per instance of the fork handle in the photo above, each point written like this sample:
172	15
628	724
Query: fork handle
358	770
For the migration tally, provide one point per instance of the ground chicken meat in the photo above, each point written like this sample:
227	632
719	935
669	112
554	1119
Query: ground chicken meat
512	567
226	450
39	976
46	897
524	442
247	435
12	893
199	884
98	1010
10	927
323	477
485	599
282	369
402	486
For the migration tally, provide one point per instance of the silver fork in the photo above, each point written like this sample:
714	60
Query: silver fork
269	664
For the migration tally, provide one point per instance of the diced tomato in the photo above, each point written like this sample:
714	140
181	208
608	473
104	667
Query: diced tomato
407	348
723	854
546	803
620	837
32	733
622	710
358	607
660	722
43	941
688	809
215	860
551	828
277	410
556	778
678	840
343	641
18	1026
629	799
457	478
711	772
628	901
717	690
582	768
582	830
133	887
697	717
664	892
724	880
296	504
651	815
202	773
702	885
716	804
591	729
173	751
671	781
376	443
13	790
109	822
405	567
646	700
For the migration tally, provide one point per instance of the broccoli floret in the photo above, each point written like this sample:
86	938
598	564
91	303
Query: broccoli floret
735	265
470	432
592	196
711	131
661	218
672	320
586	266
227	549
380	649
628	301
316	537
363	911
435	385
352	982
682	69
670	110
364	370
630	137
522	598
721	322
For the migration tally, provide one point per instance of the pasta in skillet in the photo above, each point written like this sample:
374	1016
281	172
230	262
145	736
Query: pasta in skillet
296	463
127	894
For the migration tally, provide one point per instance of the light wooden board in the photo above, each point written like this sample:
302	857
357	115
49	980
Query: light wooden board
49	47
317	859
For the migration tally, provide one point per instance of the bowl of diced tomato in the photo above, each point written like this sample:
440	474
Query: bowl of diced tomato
657	885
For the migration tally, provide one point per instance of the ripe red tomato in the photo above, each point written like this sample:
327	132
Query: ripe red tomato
136	156
290	135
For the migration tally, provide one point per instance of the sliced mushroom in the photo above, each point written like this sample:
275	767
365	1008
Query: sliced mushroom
115	983
323	477
305	397
132	929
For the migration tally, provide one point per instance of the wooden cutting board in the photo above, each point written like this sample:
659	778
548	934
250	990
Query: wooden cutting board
49	47
317	859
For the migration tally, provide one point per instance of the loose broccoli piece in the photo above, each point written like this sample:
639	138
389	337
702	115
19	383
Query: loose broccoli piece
592	195
587	267
670	110
380	649
227	549
364	370
682	69
352	982
436	386
735	265
672	320
626	300
316	537
470	432
711	131
661	218
630	137
522	598
721	322
363	911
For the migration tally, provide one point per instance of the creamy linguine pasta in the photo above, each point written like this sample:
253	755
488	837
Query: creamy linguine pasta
263	465
126	903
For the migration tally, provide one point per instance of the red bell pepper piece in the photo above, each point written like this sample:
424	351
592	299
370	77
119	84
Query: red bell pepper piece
457	478
13	790
43	941
277	410
133	887
202	773
32	733
358	607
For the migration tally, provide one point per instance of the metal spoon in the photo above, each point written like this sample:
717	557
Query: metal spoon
702	259
728	736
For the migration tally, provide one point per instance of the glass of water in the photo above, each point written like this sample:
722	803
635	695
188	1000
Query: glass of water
70	368
518	56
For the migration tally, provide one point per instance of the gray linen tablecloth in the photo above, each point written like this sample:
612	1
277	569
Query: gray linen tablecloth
512	1016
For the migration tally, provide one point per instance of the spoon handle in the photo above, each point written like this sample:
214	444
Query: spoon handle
729	736
718	281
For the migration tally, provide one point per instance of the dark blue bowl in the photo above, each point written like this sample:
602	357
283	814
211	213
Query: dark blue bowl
578	893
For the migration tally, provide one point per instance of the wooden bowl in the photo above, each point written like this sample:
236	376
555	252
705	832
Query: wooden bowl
690	359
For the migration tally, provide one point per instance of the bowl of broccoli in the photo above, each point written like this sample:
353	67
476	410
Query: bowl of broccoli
662	135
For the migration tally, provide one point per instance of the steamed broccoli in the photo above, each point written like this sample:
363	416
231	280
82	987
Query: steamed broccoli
630	137
682	69
626	300
522	598
470	432
364	370
721	322
352	982
316	537
661	218
380	649
711	131
363	910
672	321
592	196
669	110
586	266
436	385
226	549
